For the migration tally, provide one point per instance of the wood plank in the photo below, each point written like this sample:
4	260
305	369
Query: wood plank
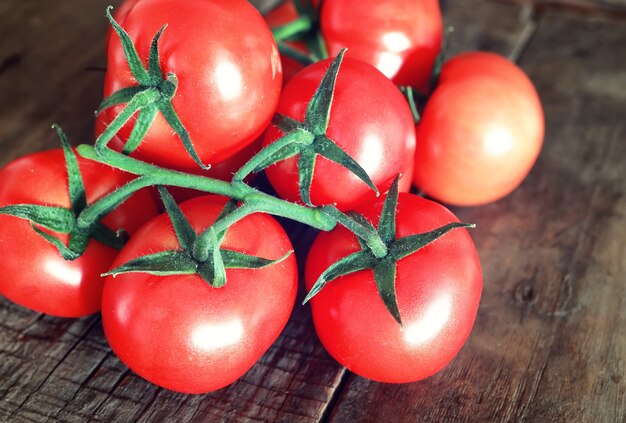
610	6
63	370
549	342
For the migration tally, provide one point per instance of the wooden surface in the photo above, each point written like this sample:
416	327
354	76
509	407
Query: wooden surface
549	343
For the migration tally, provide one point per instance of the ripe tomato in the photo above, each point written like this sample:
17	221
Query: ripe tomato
438	290
402	38
229	76
369	120
480	133
182	334
33	273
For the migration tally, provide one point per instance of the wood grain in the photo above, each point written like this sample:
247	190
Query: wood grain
549	342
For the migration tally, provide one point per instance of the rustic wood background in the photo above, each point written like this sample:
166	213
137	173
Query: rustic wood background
549	343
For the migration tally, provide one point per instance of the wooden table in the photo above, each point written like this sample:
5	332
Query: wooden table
549	343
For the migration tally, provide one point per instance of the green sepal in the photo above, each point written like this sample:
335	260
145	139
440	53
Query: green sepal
168	112
124	95
154	65
76	187
229	207
105	236
327	148
132	57
153	94
164	263
57	219
287	124
287	146
185	233
410	244
353	263
217	275
317	114
65	252
237	260
387	221
306	167
142	125
385	278
361	220
143	98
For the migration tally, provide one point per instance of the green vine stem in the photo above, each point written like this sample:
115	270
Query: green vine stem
154	175
283	32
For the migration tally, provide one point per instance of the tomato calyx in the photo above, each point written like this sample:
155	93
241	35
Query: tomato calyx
151	96
383	267
308	139
200	254
66	220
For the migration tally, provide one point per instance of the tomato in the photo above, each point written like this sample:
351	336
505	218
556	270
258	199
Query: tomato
438	290
182	334
229	76
480	133
378	137
34	274
402	38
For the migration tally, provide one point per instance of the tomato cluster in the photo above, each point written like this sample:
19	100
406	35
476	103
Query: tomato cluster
196	99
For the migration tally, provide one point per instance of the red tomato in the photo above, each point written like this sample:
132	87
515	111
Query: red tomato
228	71
438	290
182	334
34	274
480	133
402	38
369	120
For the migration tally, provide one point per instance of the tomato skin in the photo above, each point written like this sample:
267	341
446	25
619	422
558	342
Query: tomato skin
34	275
438	290
480	133
180	333
402	38
229	76
372	135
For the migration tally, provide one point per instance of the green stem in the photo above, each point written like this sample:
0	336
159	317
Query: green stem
283	32
103	206
203	242
296	55
371	237
409	94
250	196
